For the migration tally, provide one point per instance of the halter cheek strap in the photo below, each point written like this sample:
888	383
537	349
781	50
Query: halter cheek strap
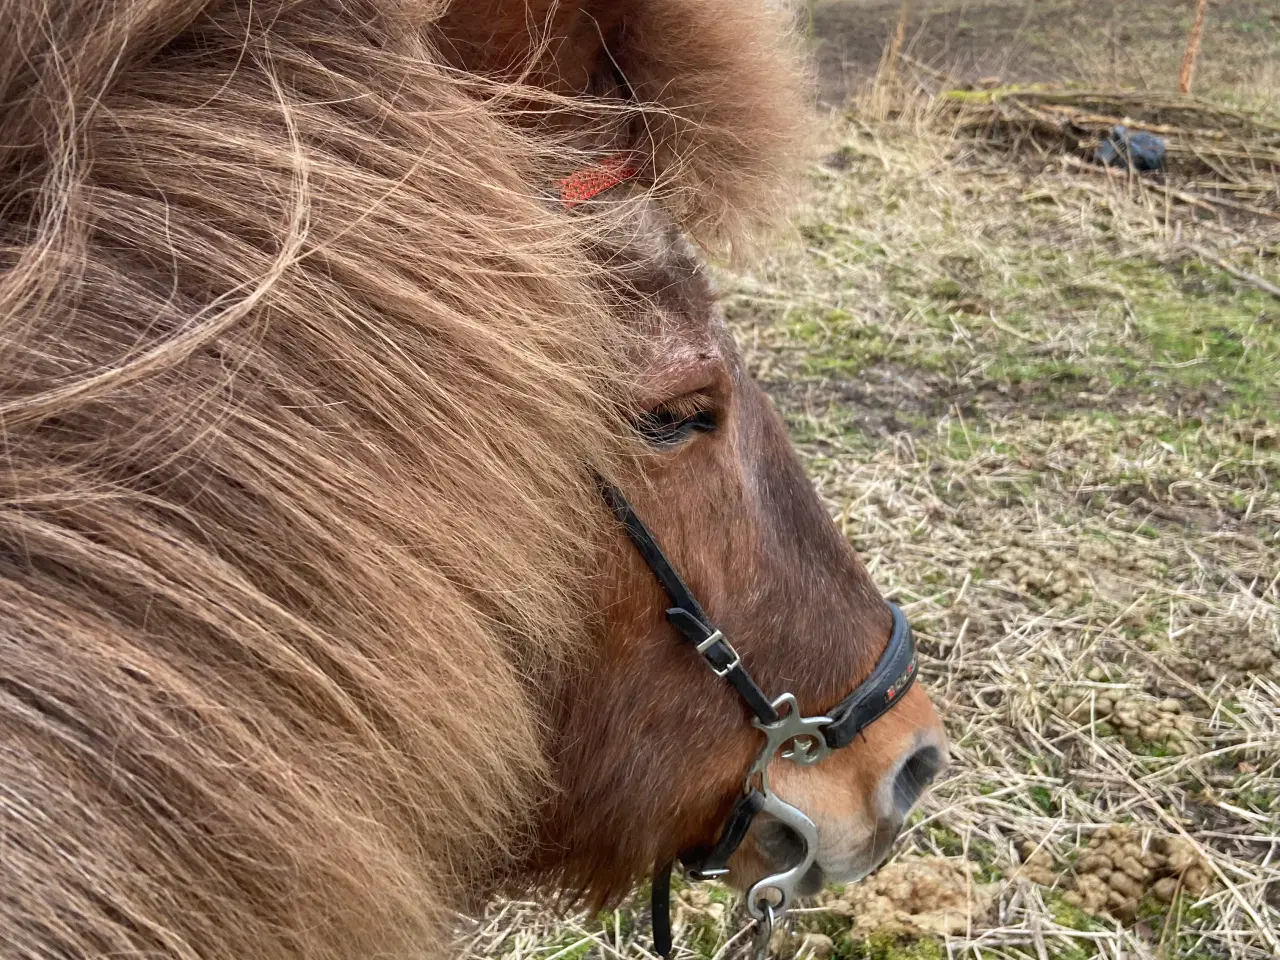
701	864
687	615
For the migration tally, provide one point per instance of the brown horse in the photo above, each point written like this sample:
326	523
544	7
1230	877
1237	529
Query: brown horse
313	624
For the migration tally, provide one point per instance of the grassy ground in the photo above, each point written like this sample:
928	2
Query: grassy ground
1049	419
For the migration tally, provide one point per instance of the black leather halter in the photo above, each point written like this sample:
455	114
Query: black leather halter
802	740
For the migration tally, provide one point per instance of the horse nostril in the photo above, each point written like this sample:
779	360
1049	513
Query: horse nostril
916	774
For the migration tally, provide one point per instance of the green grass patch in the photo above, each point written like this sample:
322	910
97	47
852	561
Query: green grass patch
881	947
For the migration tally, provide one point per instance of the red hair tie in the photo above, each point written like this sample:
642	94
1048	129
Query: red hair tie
592	181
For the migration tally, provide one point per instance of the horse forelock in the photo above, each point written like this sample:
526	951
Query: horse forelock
303	389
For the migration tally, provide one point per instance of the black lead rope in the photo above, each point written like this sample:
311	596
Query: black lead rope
700	865
660	901
891	678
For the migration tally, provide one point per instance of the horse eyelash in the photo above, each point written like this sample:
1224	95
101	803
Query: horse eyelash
674	422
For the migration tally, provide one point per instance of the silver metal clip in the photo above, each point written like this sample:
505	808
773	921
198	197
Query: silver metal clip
698	876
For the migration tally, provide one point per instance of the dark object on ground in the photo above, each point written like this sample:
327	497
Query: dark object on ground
842	159
1142	151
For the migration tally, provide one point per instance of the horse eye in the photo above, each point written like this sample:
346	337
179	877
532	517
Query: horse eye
668	428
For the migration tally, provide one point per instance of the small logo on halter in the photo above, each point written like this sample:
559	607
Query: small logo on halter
588	183
892	693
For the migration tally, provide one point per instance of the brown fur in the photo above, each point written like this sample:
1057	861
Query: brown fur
303	384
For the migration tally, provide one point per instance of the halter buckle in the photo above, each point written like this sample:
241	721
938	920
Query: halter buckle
734	660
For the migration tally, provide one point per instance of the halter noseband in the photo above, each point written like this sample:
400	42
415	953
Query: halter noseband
802	740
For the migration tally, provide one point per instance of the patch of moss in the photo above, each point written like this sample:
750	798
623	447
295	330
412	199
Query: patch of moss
1266	802
719	893
1199	329
1043	798
1073	918
1160	328
948	842
838	345
1178	923
986	871
702	934
886	947
1068	915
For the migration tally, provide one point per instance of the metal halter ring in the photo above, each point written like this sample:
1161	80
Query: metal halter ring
764	930
804	734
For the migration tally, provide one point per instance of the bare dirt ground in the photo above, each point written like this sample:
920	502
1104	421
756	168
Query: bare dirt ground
1043	402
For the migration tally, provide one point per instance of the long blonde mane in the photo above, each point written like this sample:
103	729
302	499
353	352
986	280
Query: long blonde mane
302	384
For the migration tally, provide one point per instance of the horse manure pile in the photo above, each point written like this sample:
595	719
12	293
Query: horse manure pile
1235	659
1117	871
1160	723
1059	580
1222	162
1061	576
929	895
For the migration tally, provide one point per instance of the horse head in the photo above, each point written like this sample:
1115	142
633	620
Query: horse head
652	750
